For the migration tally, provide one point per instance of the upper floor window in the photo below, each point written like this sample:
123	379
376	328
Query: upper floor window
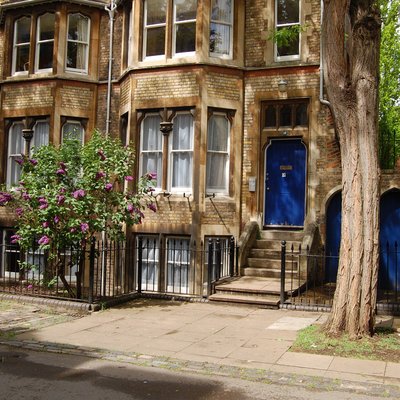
285	114
217	180
170	156
78	43
157	27
16	146
21	46
287	16
221	28
73	130
45	42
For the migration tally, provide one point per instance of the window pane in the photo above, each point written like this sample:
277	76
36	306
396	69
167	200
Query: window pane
76	57
182	170
156	11
23	30
218	133
285	115
22	58
182	137
41	134
152	162
15	149
301	115
46	27
221	10
73	131
185	38
220	38
150	263
287	11
155	44
78	28
291	49
46	55
217	168
185	9
270	117
178	258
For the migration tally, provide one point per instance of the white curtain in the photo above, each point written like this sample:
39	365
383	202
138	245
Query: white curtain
15	149
182	151
217	153
221	26
178	260
151	147
41	134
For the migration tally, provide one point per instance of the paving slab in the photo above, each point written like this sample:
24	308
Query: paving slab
304	360
292	323
367	367
353	377
392	370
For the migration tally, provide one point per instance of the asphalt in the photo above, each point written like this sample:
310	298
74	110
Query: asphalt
236	341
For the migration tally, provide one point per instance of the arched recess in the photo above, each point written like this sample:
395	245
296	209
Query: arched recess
333	234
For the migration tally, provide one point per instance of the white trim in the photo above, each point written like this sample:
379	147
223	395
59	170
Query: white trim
39	42
175	23
16	45
231	33
145	29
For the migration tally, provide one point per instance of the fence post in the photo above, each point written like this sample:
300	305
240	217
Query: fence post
140	262
91	269
218	259
283	271
231	256
210	266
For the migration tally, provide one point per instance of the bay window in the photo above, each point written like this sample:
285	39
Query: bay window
21	46
158	27
169	155
78	34
287	16
221	28
218	141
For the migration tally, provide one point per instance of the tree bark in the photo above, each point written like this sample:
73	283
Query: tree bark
351	30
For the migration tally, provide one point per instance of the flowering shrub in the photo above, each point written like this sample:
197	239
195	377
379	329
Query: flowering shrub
68	194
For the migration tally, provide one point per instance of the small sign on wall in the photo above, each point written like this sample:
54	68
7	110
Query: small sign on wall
252	183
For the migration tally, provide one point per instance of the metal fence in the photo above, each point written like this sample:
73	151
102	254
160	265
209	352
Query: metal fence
310	279
108	270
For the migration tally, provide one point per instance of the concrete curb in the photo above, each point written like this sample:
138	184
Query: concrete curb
207	368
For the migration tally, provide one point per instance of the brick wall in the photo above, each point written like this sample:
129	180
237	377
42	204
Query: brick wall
223	86
20	97
75	97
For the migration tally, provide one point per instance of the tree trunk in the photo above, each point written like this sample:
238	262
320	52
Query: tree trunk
351	30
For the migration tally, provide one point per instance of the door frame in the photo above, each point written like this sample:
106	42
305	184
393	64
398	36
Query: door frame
269	142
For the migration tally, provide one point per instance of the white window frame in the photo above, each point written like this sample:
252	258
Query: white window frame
230	25
73	122
171	152
39	42
171	265
17	45
175	25
152	285
147	27
159	151
130	35
220	190
277	26
85	43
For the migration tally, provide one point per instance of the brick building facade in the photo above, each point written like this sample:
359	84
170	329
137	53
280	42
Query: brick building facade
235	105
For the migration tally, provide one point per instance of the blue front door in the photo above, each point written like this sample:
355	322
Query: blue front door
285	181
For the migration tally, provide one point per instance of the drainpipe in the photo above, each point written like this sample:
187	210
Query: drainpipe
321	64
111	12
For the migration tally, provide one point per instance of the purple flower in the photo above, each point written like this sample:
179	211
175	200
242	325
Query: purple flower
60	199
61	171
22	183
72	230
56	219
78	193
150	189
44	240
43	203
45	224
100	175
108	187
62	190
129	178
19	161
62	165
84	226
19	211
33	161
101	154
26	196
5	198
29	287
152	176
15	239
130	208
152	207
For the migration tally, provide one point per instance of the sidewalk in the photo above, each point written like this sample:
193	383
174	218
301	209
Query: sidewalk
204	336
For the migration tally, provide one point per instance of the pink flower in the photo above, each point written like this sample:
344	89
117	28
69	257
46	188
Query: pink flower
15	239
29	287
78	193
129	178
108	187
56	219
60	199
45	224
152	176
72	230
62	190
43	203
84	226
62	165
44	240
152	207
26	196
5	198
61	171
130	208
101	154
19	161
19	211
33	161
